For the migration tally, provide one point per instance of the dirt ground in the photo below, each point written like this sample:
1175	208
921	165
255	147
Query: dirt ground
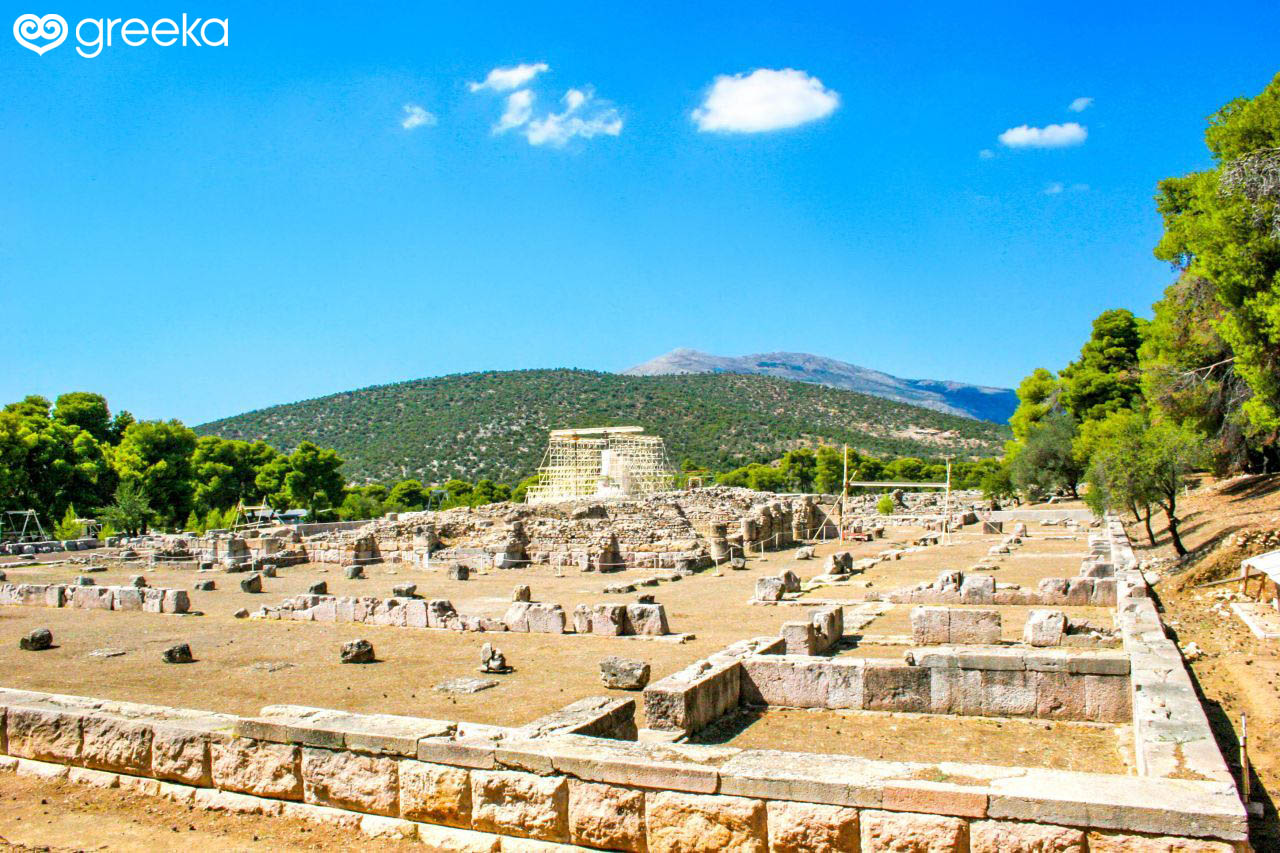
43	815
260	662
1086	747
244	664
1238	674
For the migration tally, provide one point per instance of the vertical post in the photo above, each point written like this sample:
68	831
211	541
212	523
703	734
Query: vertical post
946	505
1244	759
844	490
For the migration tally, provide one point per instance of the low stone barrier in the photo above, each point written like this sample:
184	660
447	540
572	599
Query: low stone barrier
458	786
147	599
522	616
1055	685
822	630
702	692
954	587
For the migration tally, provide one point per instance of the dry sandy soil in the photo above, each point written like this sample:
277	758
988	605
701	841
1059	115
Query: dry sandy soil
1238	673
243	664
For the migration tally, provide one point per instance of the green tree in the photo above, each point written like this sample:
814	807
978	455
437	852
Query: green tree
407	496
1118	478
226	471
800	468
156	455
1037	397
310	478
69	527
1171	452
357	506
905	468
1047	463
885	505
1105	378
520	492
86	411
131	511
1222	225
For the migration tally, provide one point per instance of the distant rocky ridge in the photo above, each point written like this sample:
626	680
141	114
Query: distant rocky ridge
956	398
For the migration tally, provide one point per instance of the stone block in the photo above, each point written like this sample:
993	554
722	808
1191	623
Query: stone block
1116	842
1000	693
126	598
43	735
647	620
255	767
1107	698
904	832
799	637
977	589
608	817
90	597
350	780
512	803
895	688
681	823
180	755
977	627
435	793
517	616
582	619
545	619
769	589
114	744
930	626
609	620
799	682
1044	628
1007	836
1060	696
811	828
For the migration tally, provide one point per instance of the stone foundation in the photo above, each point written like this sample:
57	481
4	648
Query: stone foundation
145	598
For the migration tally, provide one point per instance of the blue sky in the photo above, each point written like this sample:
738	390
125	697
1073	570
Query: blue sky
199	231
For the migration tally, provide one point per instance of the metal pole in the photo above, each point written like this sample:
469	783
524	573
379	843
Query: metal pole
946	505
1244	758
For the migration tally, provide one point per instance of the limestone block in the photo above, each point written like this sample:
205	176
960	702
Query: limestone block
1079	590
175	601
443	839
981	627
606	816
179	755
977	589
55	595
257	767
517	616
441	614
1107	698
1000	693
790	581
350	780
126	598
435	793
769	589
905	832
43	735
153	600
1007	836
227	801
114	744
799	637
1044	628
89	597
582	619
545	619
512	803
684	823
811	828
930	626
1112	842
895	688
828	626
609	619
1060	696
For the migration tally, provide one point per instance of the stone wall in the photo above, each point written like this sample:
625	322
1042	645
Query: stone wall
956	587
147	599
460	787
612	620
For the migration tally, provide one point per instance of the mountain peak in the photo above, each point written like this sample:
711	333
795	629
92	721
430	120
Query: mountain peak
958	398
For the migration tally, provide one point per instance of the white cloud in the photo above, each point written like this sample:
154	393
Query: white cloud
1079	105
986	154
1058	188
416	116
1079	188
519	109
1054	188
506	79
1052	136
764	100
582	116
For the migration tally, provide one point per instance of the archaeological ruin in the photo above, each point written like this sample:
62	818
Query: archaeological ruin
823	678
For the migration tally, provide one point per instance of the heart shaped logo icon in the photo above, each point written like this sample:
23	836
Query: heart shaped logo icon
51	27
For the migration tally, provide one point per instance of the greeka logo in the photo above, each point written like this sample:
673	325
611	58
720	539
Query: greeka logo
43	33
51	27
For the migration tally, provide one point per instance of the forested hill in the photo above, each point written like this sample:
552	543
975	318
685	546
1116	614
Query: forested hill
495	424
